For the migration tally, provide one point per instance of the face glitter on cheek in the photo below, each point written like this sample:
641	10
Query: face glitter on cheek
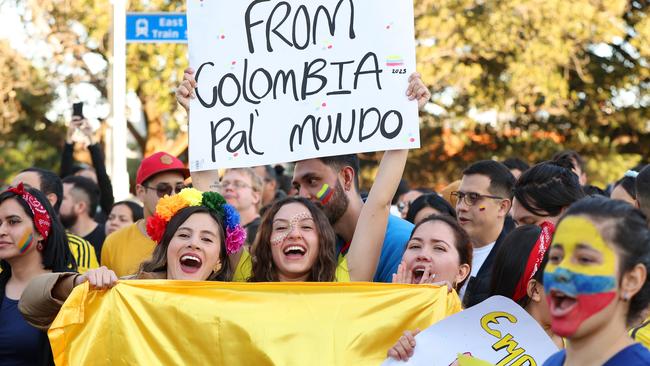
293	224
577	291
481	208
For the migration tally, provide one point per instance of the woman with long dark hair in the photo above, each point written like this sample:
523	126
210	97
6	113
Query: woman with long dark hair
32	242
518	272
296	241
597	284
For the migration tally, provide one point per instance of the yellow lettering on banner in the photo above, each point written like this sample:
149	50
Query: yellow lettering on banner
492	317
507	341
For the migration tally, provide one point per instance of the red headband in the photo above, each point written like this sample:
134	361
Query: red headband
535	259
42	220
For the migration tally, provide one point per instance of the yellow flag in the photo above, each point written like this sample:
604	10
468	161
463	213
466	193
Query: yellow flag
145	322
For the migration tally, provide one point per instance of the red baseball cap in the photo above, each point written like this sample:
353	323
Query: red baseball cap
158	163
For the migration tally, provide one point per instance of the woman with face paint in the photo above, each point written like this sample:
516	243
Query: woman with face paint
32	242
296	242
195	233
596	283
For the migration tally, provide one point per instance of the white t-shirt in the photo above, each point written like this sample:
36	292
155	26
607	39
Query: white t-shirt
479	255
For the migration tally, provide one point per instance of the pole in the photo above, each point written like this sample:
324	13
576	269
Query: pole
120	175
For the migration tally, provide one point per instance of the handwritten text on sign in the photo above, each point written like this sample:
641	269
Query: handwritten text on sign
288	80
497	330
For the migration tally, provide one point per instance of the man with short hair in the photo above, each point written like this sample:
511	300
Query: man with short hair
158	175
271	190
334	182
242	188
579	165
543	192
51	186
643	191
484	200
80	200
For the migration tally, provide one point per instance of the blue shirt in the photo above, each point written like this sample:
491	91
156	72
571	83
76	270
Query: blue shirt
634	355
19	341
397	235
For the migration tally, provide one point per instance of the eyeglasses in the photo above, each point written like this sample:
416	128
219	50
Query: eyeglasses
164	189
236	184
471	198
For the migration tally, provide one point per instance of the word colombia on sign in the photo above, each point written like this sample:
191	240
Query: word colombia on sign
291	80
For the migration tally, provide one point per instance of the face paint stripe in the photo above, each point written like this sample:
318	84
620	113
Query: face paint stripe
325	193
25	243
588	305
578	284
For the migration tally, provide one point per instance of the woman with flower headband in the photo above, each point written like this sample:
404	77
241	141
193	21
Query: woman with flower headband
195	233
32	242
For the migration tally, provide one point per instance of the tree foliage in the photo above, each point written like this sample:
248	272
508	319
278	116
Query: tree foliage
28	136
509	78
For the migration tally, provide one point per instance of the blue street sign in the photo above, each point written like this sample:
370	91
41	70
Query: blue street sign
156	27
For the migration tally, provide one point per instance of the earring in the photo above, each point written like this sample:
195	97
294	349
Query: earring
626	297
217	267
39	246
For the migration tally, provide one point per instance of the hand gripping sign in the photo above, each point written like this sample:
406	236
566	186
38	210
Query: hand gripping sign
497	331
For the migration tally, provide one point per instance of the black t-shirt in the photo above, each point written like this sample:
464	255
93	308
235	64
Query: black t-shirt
96	238
251	230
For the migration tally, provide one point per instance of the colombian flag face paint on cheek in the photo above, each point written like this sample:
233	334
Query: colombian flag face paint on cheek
576	291
325	194
25	242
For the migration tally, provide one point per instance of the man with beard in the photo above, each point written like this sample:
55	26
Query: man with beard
334	183
80	200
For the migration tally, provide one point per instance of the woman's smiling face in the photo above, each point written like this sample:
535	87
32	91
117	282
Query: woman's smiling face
193	252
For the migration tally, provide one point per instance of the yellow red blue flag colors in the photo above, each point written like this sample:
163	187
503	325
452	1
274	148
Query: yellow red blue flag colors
145	322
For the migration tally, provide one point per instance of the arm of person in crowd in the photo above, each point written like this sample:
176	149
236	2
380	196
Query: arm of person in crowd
44	296
403	349
68	148
366	245
207	180
106	198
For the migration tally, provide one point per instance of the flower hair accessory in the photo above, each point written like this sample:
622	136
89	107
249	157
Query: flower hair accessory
168	206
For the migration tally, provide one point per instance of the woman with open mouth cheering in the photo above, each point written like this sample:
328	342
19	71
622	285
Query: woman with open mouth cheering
596	283
195	233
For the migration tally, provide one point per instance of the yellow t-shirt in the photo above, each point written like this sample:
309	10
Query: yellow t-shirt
641	333
244	269
83	253
125	249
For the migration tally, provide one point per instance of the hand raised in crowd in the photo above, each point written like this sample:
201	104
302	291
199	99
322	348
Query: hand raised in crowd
100	279
80	124
417	90
404	276
185	91
403	349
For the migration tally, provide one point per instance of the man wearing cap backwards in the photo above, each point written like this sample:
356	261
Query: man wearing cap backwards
158	175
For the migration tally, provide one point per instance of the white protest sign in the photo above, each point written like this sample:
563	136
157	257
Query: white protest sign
497	331
282	81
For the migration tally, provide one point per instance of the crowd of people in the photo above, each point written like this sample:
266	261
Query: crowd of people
574	256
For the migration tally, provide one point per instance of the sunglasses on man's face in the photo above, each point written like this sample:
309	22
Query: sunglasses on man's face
164	189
